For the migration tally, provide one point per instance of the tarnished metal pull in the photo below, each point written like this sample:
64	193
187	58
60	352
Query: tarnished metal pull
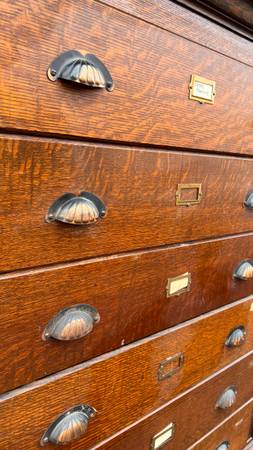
223	446
82	209
70	425
236	338
170	366
80	67
71	323
244	270
248	202
227	398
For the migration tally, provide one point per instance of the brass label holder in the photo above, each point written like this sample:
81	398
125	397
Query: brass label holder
178	285
202	89
169	366
182	189
163	437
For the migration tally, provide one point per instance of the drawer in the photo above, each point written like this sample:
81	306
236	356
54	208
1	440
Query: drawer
126	384
185	420
145	193
141	108
232	434
137	301
176	18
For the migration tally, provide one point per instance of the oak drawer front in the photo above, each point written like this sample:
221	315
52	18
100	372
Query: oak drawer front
134	381
144	192
187	419
178	19
146	109
232	435
132	297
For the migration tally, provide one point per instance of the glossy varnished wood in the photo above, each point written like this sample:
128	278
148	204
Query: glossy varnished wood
236	430
124	386
137	186
120	373
185	22
194	414
129	293
146	109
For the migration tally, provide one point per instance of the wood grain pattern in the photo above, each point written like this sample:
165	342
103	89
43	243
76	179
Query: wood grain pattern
137	186
235	430
128	292
179	20
123	386
146	109
194	415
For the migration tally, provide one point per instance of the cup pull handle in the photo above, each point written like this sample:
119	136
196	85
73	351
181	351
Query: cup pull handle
72	209
70	425
227	398
244	271
71	323
236	337
248	202
223	446
80	67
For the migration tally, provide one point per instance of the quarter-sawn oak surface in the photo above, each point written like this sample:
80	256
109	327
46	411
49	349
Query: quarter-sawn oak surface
138	187
128	291
194	414
151	68
123	386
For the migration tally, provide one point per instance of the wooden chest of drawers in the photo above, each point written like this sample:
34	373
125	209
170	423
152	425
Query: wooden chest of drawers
126	225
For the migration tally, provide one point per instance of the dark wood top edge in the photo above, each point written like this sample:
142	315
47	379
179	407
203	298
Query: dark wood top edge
240	10
228	14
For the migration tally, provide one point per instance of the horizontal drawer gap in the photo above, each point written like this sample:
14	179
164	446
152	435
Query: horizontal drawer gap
78	262
127	145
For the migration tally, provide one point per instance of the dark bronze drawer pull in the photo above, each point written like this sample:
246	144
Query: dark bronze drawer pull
80	67
223	446
227	398
74	209
170	366
249	200
71	323
244	270
236	337
70	425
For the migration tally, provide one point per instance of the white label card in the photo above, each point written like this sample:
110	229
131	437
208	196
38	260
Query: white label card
202	90
178	285
164	436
